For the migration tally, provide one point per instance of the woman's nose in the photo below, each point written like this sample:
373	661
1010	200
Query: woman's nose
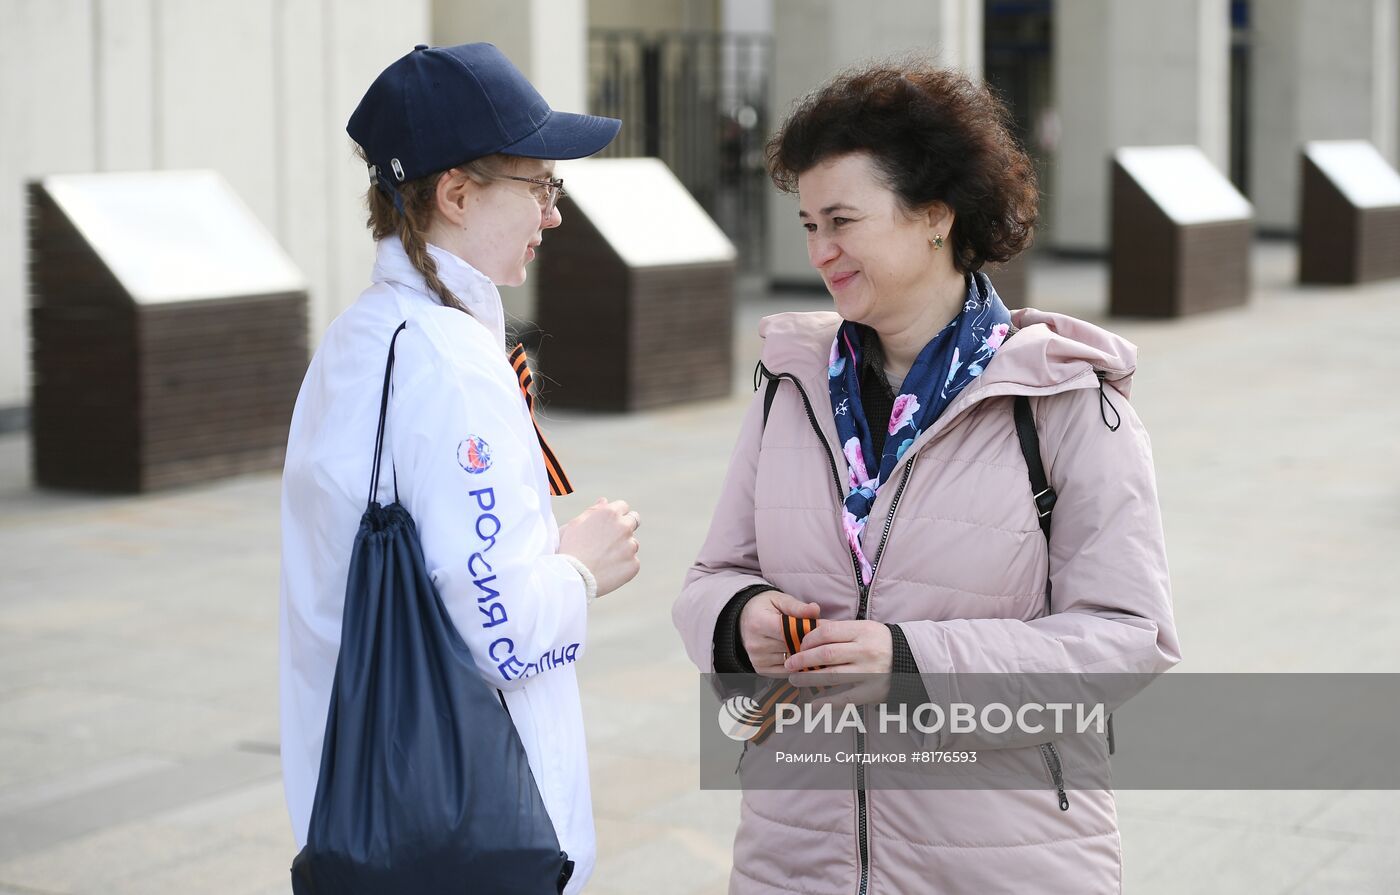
821	252
554	218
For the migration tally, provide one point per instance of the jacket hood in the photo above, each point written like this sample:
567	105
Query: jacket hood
1047	350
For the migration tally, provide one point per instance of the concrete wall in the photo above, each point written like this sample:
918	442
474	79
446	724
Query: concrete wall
654	15
546	39
814	39
1132	73
258	89
747	15
1322	70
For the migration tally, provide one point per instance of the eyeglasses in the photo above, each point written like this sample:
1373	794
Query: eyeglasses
549	196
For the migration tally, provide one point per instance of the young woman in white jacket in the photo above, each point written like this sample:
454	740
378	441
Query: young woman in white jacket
461	152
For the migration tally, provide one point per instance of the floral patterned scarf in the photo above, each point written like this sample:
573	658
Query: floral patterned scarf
954	357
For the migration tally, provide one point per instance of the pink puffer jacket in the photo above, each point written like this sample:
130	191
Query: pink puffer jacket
963	573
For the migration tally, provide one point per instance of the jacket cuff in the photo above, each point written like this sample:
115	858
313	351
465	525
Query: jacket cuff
730	657
906	684
590	584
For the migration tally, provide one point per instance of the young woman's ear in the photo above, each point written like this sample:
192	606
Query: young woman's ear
454	190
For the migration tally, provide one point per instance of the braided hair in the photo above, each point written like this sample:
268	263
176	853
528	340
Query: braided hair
419	197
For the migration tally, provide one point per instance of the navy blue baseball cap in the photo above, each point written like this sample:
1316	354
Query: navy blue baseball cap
439	107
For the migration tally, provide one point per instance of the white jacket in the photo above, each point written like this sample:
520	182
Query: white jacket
471	474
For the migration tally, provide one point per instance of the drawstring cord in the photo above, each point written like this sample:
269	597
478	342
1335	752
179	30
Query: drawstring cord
379	432
1106	405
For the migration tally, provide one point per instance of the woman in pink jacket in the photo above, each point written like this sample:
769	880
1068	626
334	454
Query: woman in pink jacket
880	488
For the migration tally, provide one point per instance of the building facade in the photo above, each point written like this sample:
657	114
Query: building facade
260	90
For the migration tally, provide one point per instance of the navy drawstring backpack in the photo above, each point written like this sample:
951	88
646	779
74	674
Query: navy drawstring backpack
424	784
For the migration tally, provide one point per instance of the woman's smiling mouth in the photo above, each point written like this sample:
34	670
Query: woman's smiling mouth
840	280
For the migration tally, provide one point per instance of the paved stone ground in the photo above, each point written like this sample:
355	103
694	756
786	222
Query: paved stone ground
138	638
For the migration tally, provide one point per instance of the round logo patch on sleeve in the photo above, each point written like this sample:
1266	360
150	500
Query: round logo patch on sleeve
474	454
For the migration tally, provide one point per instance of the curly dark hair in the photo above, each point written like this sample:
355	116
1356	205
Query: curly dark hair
935	136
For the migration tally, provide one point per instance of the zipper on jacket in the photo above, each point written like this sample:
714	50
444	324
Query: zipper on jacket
885	535
1057	773
862	808
862	805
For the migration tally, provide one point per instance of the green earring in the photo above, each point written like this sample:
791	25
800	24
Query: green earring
937	241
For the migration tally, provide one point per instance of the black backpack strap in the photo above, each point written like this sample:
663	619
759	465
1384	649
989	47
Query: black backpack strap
760	373
1030	447
1041	491
1043	494
379	432
768	394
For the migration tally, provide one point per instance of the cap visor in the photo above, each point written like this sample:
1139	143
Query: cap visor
566	135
